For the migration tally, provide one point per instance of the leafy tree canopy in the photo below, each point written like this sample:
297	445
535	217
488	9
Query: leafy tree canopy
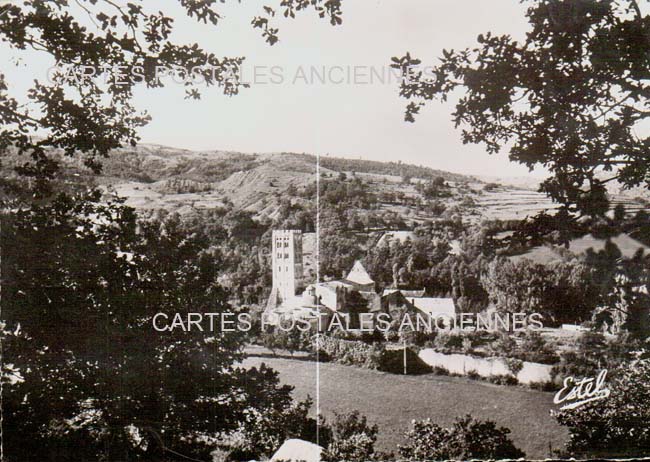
570	97
617	425
90	377
468	438
81	115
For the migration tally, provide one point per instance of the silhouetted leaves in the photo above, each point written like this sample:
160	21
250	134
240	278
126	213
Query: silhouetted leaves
569	98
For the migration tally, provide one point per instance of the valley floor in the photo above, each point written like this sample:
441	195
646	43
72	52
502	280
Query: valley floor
392	401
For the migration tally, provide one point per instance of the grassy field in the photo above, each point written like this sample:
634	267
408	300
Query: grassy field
392	401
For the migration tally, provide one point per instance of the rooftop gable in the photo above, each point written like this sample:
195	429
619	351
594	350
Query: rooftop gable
359	275
434	306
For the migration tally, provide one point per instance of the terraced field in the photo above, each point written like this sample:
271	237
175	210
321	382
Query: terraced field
514	203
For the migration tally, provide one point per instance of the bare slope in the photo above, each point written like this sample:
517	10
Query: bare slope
159	177
153	176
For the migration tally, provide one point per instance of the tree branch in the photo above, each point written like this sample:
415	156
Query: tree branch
124	18
88	12
635	5
19	115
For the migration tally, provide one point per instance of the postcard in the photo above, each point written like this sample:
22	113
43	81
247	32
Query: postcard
324	230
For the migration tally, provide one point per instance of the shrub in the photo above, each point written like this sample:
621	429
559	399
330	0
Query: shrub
468	438
467	345
393	361
504	346
514	365
376	336
591	354
259	434
463	341
292	340
351	352
448	342
503	379
544	386
322	356
416	338
342	334
352	439
536	350
480	338
439	370
392	336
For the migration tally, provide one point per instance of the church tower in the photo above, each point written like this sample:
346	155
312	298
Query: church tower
287	262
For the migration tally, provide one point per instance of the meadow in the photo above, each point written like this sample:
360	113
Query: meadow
393	401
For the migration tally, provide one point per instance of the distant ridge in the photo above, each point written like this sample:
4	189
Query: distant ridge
388	168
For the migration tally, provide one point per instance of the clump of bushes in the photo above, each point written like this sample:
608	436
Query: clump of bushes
467	342
393	361
531	346
491	187
352	439
289	340
498	379
449	342
616	426
416	338
544	386
504	345
439	370
467	438
594	352
503	379
350	352
535	349
376	336
514	365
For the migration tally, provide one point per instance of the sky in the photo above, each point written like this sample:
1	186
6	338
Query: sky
362	118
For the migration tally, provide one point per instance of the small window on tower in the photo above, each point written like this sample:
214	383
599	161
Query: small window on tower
279	268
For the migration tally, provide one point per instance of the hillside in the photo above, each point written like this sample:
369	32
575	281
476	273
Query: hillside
155	177
159	177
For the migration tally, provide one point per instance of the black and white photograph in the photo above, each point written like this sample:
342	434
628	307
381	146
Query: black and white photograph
324	230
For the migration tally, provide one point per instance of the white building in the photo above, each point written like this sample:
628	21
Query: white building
287	262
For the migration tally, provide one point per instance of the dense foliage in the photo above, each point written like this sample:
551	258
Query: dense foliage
85	116
82	281
618	425
594	352
350	352
466	439
569	97
386	168
352	439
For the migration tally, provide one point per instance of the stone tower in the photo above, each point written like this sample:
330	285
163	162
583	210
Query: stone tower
287	262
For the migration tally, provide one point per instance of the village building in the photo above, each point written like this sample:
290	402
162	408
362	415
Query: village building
292	297
297	450
436	307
